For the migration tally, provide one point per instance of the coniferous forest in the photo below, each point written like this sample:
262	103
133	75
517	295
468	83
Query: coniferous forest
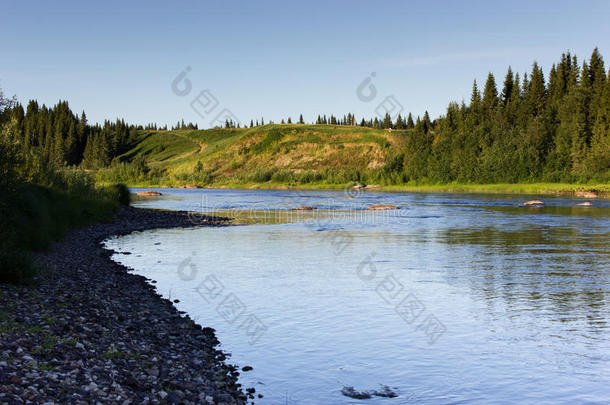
523	127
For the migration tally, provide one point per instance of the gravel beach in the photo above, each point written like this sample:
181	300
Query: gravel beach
88	331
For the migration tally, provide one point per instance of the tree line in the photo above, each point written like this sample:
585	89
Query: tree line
531	129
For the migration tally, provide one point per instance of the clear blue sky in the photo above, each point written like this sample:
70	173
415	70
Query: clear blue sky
279	59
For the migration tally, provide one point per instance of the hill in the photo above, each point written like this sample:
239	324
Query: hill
290	154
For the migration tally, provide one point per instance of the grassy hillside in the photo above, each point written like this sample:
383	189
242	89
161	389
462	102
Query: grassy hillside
281	153
286	155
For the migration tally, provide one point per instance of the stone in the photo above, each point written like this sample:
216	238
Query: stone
378	207
149	193
303	208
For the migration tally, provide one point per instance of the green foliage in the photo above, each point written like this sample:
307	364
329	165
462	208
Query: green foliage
124	172
271	137
33	216
119	193
41	198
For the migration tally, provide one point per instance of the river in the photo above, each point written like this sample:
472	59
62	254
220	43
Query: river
453	298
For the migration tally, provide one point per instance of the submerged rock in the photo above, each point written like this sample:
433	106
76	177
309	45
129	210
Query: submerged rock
585	204
303	208
383	207
385	392
350	392
533	202
149	193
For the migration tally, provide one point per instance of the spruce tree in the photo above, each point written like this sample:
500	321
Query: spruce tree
387	121
490	94
399	123
410	123
598	159
537	91
507	90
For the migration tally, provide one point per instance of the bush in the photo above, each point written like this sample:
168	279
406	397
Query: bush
31	217
119	193
261	175
283	176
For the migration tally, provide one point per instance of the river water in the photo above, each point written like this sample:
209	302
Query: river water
453	298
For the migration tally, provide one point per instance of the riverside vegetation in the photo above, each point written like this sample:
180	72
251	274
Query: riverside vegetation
40	201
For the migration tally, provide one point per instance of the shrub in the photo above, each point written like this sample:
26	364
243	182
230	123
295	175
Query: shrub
261	175
119	193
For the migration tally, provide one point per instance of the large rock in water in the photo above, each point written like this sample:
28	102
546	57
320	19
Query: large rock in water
585	204
382	207
149	193
533	202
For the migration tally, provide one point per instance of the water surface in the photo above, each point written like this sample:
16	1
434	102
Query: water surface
454	298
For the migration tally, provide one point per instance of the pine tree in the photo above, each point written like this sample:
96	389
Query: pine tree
31	128
426	123
537	91
301	119
597	80
410	123
71	145
511	109
507	90
475	104
399	122
490	94
387	121
598	159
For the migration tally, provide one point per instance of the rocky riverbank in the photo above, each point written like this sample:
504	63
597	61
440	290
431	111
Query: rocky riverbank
88	331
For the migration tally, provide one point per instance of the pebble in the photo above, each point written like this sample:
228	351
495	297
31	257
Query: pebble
102	333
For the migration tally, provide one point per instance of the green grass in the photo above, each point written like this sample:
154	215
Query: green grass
518	188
